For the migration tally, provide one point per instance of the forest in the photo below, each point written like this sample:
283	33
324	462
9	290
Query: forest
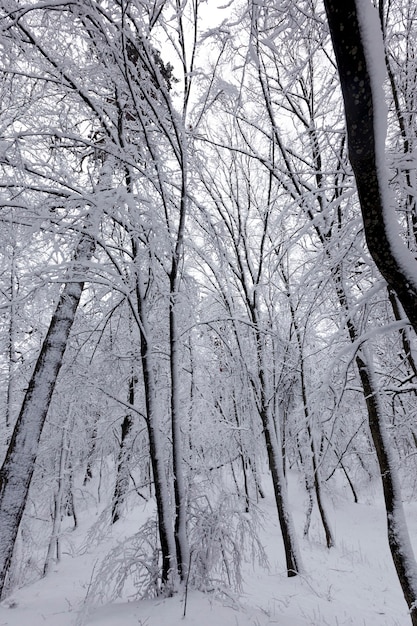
208	285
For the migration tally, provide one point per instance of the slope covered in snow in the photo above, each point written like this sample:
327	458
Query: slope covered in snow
352	584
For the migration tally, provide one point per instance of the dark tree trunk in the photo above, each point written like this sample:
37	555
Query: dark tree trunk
92	448
122	477
180	491
157	457
314	460
292	557
367	164
19	463
398	538
273	448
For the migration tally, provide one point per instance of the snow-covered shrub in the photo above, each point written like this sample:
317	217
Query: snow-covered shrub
221	535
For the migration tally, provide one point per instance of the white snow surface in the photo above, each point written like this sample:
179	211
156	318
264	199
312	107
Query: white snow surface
352	584
372	40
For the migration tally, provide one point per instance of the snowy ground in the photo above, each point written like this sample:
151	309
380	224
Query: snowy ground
352	584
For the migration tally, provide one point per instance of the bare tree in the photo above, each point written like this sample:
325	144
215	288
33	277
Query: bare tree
353	27
18	466
359	55
239	221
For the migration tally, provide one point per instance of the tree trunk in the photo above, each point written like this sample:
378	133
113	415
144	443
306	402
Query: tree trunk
398	537
273	447
315	467
366	150
366	153
292	557
166	533
11	356
19	463
53	553
91	452
122	477
180	494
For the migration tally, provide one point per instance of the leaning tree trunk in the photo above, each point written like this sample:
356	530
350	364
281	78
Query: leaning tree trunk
19	463
356	61
398	538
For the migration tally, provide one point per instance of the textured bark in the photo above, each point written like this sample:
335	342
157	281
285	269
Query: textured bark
360	117
19	463
11	356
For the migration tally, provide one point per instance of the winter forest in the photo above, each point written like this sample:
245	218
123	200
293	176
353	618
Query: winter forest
208	293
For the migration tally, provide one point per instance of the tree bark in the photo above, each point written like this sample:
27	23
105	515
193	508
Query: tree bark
330	542
180	492
19	463
356	82
292	557
398	538
122	477
395	265
166	532
273	447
